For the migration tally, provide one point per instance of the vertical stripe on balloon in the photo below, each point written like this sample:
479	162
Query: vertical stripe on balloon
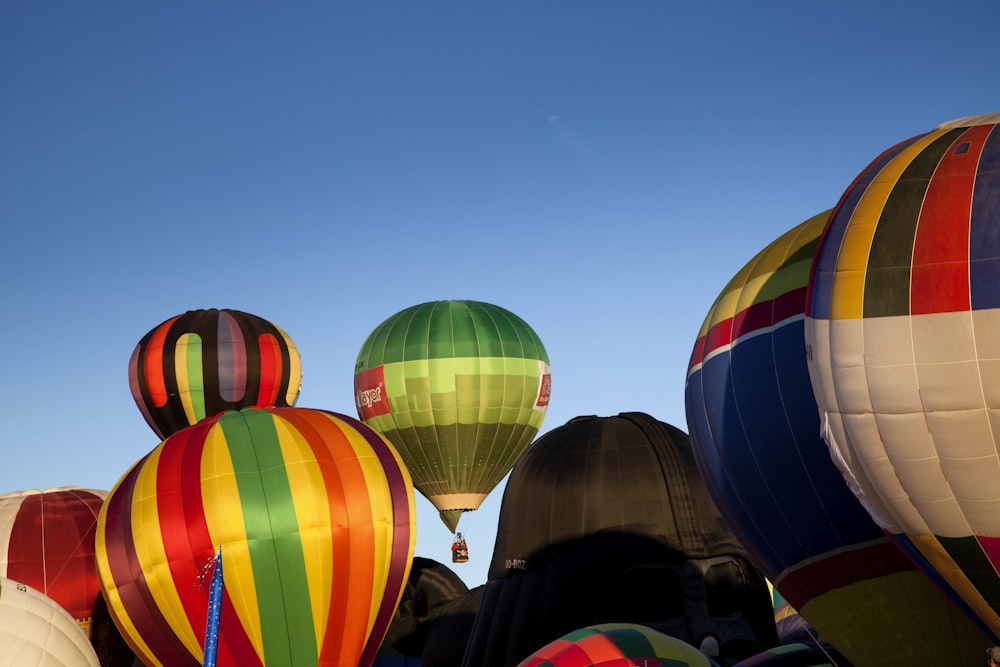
232	359
153	366
270	369
190	375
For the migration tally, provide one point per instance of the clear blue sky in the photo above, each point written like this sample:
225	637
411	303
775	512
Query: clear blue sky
599	168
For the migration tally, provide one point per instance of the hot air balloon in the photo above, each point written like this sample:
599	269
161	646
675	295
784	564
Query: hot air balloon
755	434
461	388
36	632
903	337
616	645
204	362
312	513
605	519
47	542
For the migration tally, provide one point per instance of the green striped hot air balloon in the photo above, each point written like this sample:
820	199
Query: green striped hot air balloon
460	388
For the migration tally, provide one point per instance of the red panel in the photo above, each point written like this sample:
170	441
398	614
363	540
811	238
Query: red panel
940	275
152	367
270	370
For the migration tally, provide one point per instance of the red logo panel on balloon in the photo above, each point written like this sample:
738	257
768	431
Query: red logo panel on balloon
369	393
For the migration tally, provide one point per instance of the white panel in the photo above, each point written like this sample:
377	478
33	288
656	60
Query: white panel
894	389
974	479
981	518
943	338
923	480
989	377
953	386
906	436
986	325
846	343
945	518
851	384
962	434
887	341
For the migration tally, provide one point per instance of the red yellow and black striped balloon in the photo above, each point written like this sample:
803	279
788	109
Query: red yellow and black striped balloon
204	362
313	513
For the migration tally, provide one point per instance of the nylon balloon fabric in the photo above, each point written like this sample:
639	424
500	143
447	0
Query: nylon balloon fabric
755	433
313	513
607	520
204	362
461	389
37	632
617	645
903	337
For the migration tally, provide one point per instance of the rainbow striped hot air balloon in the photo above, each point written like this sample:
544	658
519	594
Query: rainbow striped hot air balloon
903	332
616	645
47	542
461	388
755	432
313	513
204	362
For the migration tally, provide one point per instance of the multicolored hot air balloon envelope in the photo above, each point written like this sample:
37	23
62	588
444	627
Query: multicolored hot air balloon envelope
903	337
205	362
755	433
461	389
47	542
313	513
617	645
36	632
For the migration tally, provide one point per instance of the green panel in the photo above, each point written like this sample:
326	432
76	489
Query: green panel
442	375
195	374
417	335
467	458
450	329
471	338
632	642
276	554
974	564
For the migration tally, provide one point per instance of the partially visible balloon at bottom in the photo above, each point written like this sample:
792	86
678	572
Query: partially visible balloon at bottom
37	632
616	645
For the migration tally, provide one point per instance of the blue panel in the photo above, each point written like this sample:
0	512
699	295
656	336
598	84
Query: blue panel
705	438
849	522
984	232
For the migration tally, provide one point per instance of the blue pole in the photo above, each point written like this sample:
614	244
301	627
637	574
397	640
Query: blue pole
214	613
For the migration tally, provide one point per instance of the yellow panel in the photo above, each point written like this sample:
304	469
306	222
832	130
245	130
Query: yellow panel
312	514
228	530
152	556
